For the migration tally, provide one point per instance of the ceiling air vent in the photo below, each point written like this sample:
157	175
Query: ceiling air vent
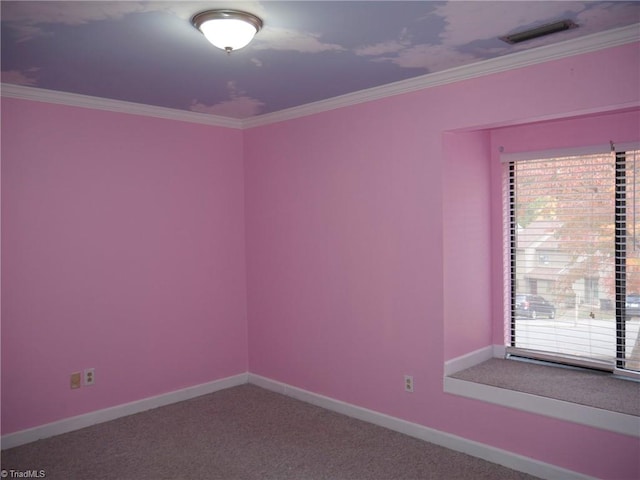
538	32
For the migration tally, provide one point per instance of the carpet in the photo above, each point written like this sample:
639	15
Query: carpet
245	433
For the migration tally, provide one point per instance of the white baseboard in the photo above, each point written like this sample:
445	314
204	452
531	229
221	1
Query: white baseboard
460	444
471	359
81	421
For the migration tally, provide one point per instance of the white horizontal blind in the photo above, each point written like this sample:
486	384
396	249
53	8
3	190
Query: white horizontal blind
628	265
567	291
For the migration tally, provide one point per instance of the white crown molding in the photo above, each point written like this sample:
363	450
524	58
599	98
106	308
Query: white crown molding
85	101
586	44
577	46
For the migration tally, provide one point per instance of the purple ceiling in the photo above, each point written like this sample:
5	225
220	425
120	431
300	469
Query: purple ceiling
148	52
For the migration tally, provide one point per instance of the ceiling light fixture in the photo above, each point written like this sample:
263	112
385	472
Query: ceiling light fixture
541	31
227	29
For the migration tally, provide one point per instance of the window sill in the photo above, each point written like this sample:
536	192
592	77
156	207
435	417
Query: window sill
593	399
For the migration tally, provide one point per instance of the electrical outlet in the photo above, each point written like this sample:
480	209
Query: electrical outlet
89	376
75	379
408	383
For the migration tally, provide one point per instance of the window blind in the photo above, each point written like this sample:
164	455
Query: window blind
574	258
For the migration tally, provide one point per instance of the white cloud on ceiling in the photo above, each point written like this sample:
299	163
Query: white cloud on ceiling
68	13
239	104
382	48
602	17
274	38
17	77
390	46
27	18
430	57
468	22
401	52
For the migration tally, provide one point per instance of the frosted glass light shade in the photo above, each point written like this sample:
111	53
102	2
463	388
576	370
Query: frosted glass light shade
227	29
228	34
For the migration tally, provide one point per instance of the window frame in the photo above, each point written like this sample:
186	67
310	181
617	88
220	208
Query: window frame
510	257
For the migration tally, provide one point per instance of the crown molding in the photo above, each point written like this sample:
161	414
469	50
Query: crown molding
577	46
85	101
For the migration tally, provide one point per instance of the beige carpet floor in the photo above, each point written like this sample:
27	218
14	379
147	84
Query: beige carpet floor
245	433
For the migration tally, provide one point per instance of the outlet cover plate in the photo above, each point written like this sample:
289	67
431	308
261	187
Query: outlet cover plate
89	376
408	383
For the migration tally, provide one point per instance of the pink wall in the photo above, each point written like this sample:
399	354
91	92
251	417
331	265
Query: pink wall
122	250
467	241
352	249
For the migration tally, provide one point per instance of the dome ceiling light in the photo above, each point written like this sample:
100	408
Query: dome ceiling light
227	29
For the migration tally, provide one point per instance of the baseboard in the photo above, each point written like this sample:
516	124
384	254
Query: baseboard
499	351
458	364
460	444
81	421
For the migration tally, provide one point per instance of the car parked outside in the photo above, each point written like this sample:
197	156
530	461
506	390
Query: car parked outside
534	305
632	305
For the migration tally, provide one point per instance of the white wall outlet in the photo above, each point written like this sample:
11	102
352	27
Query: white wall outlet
89	376
408	383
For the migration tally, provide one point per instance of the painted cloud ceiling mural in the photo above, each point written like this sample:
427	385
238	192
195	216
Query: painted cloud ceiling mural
149	53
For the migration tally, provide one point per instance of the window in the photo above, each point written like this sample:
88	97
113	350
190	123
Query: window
543	258
573	249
